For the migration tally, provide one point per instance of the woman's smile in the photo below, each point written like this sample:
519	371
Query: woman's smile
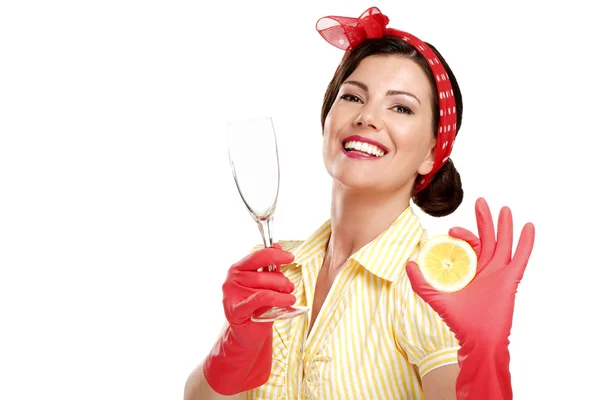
362	148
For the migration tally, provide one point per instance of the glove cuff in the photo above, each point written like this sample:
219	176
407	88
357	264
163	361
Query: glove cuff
484	372
230	369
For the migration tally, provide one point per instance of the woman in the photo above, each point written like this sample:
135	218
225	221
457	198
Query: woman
376	329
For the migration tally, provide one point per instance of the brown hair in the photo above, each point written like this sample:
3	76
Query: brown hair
444	193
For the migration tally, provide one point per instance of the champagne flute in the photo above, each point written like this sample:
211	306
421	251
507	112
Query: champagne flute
254	160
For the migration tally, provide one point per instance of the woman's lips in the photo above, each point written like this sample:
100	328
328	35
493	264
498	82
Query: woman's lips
357	138
371	152
352	154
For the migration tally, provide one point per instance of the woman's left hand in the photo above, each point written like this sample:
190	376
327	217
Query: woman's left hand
482	312
480	315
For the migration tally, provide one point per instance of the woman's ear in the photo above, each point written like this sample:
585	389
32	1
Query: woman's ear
427	164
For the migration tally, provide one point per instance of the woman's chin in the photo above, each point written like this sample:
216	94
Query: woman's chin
360	181
356	181
359	177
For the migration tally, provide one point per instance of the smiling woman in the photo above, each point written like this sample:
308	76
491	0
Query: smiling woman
417	103
375	328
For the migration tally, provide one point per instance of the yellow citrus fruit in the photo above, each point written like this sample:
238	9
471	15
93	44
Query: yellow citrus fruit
447	264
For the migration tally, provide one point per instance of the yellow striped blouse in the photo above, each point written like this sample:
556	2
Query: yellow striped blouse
374	338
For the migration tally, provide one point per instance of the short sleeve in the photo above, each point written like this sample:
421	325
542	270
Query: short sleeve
419	330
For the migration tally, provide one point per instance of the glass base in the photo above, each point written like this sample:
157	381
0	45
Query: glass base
279	313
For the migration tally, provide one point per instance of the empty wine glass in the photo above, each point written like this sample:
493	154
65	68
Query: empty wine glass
254	160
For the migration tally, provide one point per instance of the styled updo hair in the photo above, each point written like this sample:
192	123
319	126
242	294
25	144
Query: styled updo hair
444	193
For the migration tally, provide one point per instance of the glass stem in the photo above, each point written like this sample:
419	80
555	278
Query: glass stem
265	230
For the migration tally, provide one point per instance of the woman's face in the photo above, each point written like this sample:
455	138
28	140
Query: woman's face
378	134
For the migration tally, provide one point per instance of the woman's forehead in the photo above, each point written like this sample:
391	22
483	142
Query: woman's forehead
382	72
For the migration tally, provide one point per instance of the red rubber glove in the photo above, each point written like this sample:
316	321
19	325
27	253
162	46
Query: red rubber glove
480	315
241	358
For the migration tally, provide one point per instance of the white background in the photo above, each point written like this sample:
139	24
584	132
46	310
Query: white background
118	212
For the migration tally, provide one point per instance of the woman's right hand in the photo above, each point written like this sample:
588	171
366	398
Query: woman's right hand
242	357
247	291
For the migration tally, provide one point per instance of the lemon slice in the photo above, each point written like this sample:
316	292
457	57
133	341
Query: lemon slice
447	264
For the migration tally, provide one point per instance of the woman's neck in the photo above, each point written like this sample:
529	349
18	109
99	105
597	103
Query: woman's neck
358	217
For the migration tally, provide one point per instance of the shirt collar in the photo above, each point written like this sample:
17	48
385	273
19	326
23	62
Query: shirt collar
314	245
384	256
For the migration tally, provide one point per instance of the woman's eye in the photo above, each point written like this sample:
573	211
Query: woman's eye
350	97
402	109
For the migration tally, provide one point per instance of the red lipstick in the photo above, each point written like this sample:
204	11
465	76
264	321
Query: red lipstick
357	138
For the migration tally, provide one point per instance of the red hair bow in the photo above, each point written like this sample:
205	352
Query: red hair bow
346	33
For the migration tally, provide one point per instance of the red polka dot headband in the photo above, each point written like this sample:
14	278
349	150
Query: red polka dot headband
346	33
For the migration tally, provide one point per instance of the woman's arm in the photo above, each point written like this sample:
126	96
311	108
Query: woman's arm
480	314
196	388
440	384
241	358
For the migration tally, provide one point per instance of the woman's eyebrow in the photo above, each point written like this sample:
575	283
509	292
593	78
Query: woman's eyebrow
389	92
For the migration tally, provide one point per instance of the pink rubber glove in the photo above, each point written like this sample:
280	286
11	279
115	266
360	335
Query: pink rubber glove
480	315
241	358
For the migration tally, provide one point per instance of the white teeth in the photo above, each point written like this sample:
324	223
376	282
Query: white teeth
364	147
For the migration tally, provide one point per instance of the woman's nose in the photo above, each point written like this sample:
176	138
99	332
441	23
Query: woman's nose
368	118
